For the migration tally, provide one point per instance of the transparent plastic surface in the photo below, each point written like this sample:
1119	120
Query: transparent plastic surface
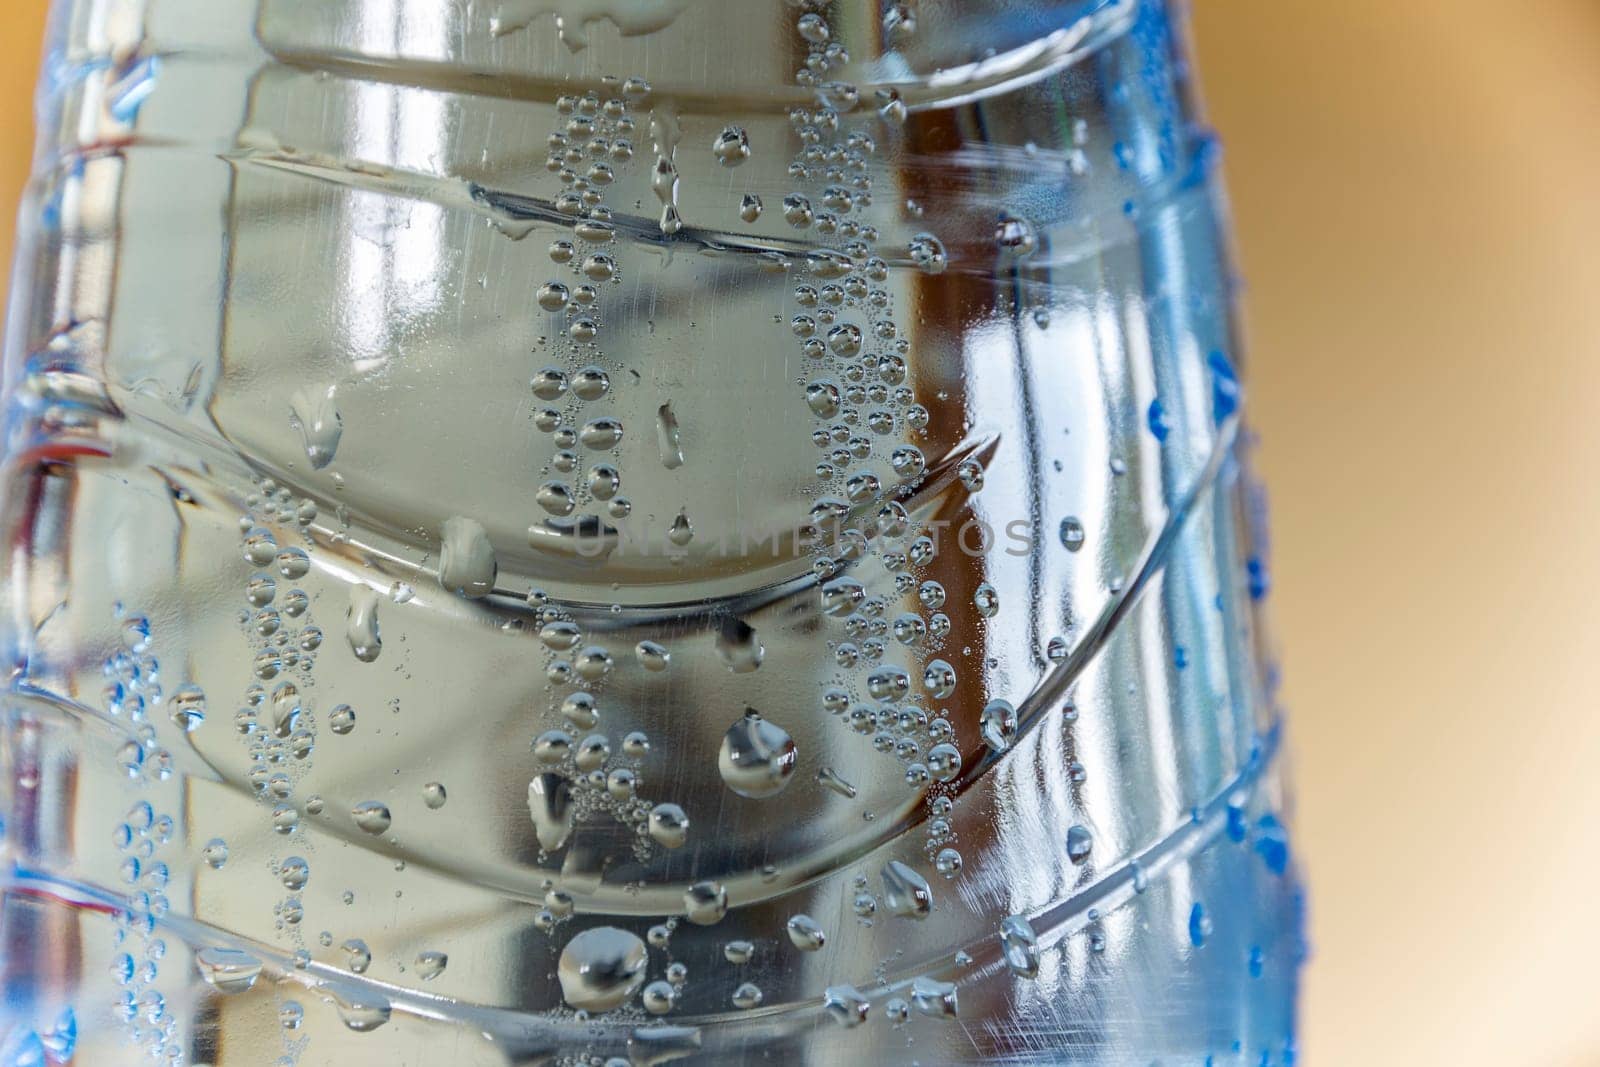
590	531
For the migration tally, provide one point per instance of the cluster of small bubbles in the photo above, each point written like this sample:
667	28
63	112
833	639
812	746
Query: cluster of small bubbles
141	835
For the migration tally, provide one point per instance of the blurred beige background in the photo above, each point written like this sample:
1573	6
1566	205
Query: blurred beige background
1416	186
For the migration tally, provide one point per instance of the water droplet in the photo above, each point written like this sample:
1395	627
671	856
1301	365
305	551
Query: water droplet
732	146
738	952
1199	925
669	825
293	563
845	1005
215	853
845	340
900	21
928	254
738	645
805	933
814	28
987	600
651	656
433	795
371	816
934	999
797	210
466	558
188	706
294	873
312	413
659	997
579	709
553	296
906	892
1072	533
431	965
1015	237
705	903
757	757
361	1010
552	746
746	996
556	498
750	207
357	956
939	679
1020	945
681	532
830	778
601	434
227	970
998	724
944	762
361	624
550	803
1079	844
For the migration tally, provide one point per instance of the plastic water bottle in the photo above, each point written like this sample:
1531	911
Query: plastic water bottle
632	531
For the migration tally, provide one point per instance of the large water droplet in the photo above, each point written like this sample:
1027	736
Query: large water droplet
705	903
846	1005
361	623
553	296
1072	533
933	998
805	933
732	146
361	1010
313	414
188	706
357	956
466	558
550	804
906	892
431	965
371	816
830	778
738	645
998	724
1079	843
227	970
757	757
669	825
1020	945
928	254
669	438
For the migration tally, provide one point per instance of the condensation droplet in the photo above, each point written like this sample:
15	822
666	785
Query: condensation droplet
757	757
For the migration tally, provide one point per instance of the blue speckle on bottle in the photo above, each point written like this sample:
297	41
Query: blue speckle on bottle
1224	385
61	1040
22	1048
1180	657
1272	843
1156	419
1199	924
1260	582
1238	826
